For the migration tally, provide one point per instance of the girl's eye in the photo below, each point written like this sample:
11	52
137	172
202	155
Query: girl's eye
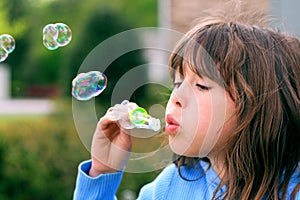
202	87
176	84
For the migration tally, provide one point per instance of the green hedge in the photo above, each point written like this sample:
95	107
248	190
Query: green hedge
39	158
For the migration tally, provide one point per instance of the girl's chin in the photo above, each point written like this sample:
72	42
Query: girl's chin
179	148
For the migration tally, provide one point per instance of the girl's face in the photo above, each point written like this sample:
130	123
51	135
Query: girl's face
199	115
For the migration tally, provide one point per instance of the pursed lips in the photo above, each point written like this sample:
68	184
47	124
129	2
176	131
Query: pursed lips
172	124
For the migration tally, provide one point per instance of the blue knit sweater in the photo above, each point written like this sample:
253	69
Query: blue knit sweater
168	184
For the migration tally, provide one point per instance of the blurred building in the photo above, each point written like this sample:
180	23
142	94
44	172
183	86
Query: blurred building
179	15
183	13
287	14
9	106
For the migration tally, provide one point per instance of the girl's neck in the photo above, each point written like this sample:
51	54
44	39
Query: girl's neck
218	165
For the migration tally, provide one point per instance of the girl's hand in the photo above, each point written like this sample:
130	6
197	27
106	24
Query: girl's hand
111	147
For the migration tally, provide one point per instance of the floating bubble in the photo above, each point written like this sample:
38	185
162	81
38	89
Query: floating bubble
88	85
64	34
56	35
7	42
7	45
50	34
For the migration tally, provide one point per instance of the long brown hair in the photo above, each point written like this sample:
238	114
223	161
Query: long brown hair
260	69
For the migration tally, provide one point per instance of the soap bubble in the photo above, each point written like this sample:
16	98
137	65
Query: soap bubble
56	35
64	34
7	42
7	45
88	85
50	34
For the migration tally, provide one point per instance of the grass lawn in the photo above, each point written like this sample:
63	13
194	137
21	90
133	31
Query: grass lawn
28	118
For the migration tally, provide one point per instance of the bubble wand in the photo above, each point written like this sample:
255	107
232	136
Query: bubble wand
130	116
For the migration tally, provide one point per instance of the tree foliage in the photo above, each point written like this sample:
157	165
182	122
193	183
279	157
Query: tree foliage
39	158
91	22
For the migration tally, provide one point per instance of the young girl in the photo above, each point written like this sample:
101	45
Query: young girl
233	121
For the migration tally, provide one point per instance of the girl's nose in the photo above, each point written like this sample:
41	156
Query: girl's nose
175	99
179	95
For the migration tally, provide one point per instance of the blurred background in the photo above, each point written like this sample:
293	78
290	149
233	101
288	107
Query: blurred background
39	145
